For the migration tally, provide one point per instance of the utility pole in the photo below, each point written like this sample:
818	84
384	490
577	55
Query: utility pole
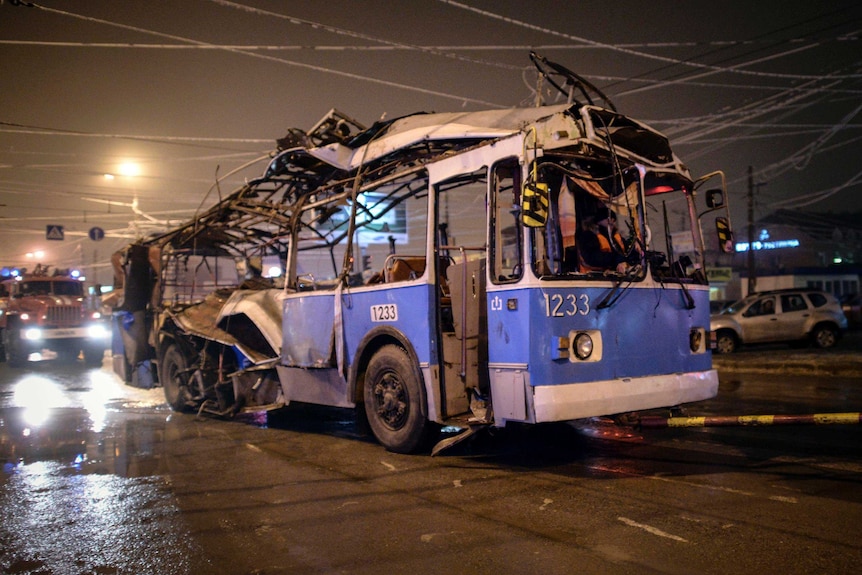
752	278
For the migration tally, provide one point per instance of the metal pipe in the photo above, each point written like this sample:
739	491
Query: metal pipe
658	422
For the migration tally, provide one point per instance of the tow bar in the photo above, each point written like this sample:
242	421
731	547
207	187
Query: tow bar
659	422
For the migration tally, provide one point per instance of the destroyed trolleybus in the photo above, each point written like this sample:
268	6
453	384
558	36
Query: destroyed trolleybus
431	273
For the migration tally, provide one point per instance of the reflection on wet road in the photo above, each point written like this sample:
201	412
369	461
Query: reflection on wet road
78	495
102	525
102	478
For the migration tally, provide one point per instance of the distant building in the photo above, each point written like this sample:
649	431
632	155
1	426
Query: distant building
793	249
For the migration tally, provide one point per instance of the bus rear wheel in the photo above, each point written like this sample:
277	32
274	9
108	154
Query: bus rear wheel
393	401
176	379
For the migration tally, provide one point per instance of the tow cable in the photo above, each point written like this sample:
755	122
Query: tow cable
659	422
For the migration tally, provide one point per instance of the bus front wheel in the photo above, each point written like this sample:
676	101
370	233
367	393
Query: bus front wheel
393	396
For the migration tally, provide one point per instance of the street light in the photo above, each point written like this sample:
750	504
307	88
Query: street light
129	169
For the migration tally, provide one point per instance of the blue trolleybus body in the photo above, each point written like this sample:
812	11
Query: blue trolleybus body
436	269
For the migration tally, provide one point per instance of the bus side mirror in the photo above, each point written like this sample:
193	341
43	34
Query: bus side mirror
725	235
534	204
714	199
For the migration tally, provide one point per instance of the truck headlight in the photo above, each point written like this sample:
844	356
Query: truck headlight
97	331
32	333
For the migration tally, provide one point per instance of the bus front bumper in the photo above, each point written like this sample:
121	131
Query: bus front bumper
515	400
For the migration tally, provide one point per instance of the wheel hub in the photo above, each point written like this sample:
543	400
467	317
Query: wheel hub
391	405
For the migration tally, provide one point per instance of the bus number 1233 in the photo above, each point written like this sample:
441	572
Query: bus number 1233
385	312
559	305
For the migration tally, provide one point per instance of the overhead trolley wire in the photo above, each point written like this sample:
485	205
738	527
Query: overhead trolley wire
623	50
293	63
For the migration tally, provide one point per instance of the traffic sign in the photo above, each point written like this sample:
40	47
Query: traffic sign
96	234
55	232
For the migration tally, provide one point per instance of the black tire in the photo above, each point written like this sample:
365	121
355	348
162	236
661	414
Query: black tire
67	355
393	402
176	379
93	356
16	351
824	336
726	342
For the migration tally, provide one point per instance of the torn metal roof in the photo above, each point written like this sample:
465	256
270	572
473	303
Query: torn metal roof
410	130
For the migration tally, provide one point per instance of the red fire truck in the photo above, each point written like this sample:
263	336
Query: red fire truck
49	310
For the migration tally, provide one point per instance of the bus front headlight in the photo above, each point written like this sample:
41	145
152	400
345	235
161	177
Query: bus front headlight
696	340
583	345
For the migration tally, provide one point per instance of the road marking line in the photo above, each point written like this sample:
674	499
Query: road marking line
693	484
651	529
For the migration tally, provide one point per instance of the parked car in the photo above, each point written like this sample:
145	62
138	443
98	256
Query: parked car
852	306
792	315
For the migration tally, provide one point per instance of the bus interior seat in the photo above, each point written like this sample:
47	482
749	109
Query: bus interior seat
403	268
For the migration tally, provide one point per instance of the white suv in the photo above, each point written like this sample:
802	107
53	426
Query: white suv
791	315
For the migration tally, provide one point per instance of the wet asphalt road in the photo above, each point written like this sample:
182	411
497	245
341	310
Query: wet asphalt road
101	478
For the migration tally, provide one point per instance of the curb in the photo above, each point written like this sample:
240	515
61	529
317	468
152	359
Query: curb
789	366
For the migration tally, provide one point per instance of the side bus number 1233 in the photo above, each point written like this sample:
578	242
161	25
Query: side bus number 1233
559	305
384	312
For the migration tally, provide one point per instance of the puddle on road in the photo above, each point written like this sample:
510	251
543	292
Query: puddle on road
70	439
77	500
83	488
53	520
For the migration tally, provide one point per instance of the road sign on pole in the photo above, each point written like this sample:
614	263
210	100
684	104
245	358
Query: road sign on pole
54	232
96	234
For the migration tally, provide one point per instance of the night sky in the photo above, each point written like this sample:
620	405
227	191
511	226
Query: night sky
188	89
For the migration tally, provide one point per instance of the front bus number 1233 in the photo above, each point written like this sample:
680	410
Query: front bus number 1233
559	305
384	312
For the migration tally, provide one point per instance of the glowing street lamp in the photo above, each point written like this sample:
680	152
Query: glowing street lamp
129	169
